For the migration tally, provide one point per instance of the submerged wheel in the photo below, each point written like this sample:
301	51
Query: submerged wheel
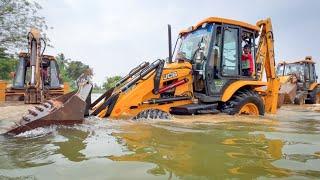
245	102
152	114
314	97
250	109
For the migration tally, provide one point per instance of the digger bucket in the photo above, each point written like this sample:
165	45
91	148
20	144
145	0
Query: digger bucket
68	109
287	93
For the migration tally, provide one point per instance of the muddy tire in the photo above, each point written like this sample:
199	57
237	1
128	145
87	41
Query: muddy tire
314	97
152	114
244	102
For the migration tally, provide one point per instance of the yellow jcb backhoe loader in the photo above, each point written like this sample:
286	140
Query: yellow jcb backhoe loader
207	75
36	77
299	82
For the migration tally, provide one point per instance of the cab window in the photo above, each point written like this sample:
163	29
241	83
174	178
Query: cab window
230	57
247	53
312	74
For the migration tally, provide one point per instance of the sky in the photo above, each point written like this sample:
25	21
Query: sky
114	36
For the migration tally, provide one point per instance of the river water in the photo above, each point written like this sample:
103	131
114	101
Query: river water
285	146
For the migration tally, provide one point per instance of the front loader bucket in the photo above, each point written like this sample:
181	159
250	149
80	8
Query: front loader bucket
287	93
67	109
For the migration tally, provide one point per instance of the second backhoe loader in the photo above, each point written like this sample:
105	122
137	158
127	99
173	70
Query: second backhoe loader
37	75
299	82
207	75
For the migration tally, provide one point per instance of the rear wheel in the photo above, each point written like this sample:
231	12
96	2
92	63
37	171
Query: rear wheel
245	102
152	114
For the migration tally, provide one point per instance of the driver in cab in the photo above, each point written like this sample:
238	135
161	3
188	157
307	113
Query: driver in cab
246	61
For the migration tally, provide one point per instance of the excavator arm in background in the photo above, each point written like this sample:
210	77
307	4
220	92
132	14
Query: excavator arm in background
266	60
36	77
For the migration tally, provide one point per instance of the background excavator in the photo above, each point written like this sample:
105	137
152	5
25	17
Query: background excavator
205	77
37	76
299	82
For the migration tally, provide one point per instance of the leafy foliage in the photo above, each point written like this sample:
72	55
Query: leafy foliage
63	63
111	82
16	19
7	65
70	70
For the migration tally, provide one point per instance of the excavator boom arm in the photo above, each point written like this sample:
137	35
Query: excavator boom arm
266	60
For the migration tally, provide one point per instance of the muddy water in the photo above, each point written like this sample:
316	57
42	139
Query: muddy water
197	147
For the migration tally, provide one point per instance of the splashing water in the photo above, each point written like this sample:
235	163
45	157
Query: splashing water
187	147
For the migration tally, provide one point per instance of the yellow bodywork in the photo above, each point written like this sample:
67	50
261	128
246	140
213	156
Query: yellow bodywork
313	86
234	87
130	103
284	79
3	86
223	21
66	88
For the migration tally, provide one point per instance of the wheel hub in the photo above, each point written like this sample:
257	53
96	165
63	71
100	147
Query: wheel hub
249	109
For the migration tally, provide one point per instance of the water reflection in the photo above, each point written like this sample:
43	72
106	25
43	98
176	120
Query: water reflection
74	143
212	154
24	152
199	147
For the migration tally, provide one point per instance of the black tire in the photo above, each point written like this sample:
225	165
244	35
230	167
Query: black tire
152	114
241	98
313	96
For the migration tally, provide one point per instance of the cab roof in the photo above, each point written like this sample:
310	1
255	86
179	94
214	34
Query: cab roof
307	59
222	21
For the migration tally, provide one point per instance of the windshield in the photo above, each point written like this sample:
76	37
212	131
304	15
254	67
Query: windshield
191	42
280	69
293	69
289	69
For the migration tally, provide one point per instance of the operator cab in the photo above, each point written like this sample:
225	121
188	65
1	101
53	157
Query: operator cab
49	72
215	48
303	70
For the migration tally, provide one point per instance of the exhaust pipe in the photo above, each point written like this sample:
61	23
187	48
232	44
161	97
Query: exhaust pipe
169	43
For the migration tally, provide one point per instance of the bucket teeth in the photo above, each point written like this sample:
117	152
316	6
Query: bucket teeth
32	112
67	109
25	118
45	105
39	108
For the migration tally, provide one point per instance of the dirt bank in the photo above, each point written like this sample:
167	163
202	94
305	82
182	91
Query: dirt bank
11	112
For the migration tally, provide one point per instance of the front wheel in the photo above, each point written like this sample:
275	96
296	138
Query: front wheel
245	102
152	114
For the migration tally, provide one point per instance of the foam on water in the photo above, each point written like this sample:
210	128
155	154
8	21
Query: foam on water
38	132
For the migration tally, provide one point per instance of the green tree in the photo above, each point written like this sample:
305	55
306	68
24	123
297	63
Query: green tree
70	70
63	64
111	82
7	65
16	19
75	69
